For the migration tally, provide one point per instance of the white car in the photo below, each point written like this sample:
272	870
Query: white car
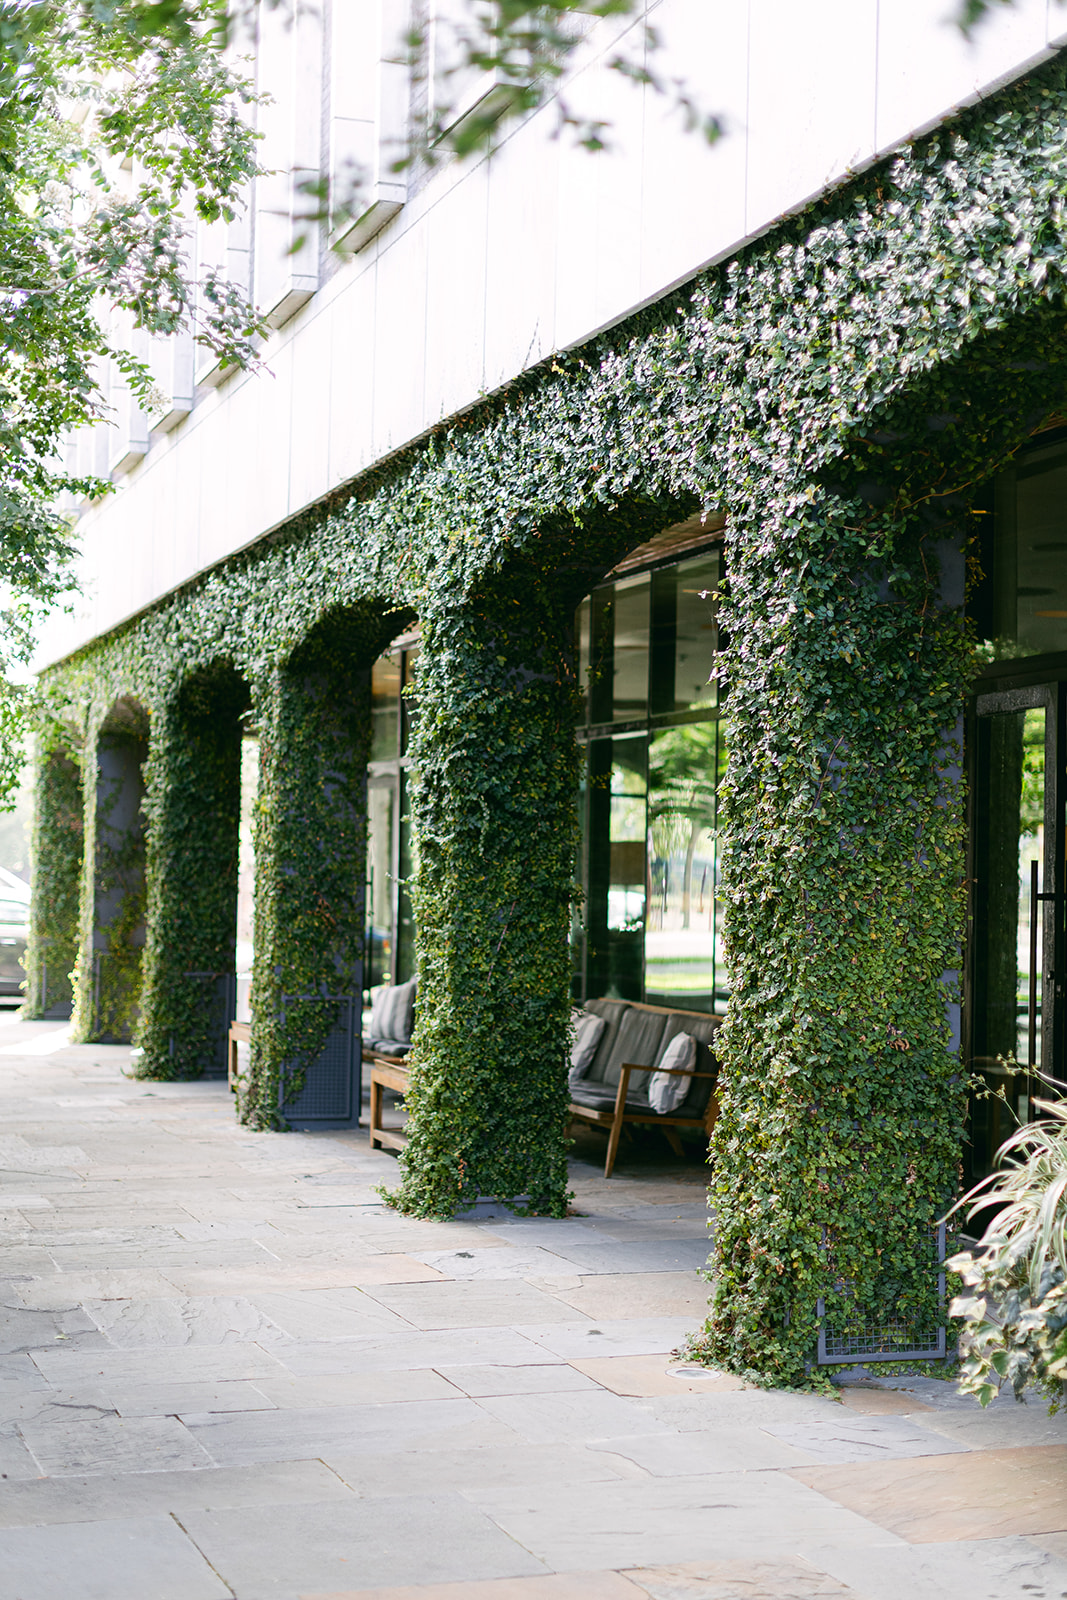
14	931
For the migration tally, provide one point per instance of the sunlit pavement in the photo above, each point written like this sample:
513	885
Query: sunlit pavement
230	1370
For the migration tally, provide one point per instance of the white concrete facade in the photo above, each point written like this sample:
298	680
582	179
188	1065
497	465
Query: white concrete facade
497	262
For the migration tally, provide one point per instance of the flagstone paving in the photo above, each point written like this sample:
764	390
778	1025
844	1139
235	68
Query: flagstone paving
229	1372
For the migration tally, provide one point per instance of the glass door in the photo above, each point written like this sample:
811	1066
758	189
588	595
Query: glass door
382	829
1017	946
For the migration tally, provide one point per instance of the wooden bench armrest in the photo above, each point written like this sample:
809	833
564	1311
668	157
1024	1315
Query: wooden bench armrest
672	1072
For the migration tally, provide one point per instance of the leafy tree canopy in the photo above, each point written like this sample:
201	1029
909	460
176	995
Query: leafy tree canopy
120	124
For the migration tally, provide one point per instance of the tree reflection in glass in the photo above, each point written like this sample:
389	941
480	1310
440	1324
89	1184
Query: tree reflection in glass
681	932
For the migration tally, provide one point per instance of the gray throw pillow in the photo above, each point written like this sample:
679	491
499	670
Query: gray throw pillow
587	1034
380	1012
393	1012
665	1092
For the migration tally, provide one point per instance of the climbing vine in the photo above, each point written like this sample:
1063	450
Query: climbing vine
841	390
58	850
106	979
192	812
494	811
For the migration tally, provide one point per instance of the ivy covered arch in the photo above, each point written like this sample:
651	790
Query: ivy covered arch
841	390
313	715
106	978
57	854
193	806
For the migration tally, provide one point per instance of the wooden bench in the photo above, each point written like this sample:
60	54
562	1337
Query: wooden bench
386	1072
621	1115
240	1033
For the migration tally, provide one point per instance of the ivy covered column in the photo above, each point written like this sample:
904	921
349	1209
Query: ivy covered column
494	814
313	714
58	847
194	808
838	1142
107	980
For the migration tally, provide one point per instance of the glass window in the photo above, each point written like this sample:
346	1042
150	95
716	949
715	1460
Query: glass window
385	709
246	877
615	867
680	938
1013	966
1040	586
1021	606
405	917
1010	836
697	634
601	657
407	699
630	649
583	635
390	931
684	636
381	880
651	923
612	629
626	891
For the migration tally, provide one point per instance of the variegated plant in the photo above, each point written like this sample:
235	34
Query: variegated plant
1014	1310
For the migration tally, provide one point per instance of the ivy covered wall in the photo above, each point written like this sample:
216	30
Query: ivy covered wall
313	715
193	812
57	855
840	390
493	808
107	968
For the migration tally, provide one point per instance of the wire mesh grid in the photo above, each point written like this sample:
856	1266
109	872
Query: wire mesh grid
892	1338
216	1006
330	1086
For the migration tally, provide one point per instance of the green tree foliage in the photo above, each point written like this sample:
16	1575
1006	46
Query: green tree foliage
120	125
526	50
681	778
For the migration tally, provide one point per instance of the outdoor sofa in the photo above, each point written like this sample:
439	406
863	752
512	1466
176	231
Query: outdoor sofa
633	1063
621	1077
386	1043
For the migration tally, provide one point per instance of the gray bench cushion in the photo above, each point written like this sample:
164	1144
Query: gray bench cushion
601	1097
637	1041
390	1047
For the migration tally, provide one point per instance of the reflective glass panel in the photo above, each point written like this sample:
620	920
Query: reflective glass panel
680	939
385	709
405	918
407	700
615	867
630	649
246	877
626	894
684	636
583	630
1009	922
1040	587
381	881
1020	607
696	636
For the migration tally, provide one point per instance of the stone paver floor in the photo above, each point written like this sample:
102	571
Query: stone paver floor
229	1371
